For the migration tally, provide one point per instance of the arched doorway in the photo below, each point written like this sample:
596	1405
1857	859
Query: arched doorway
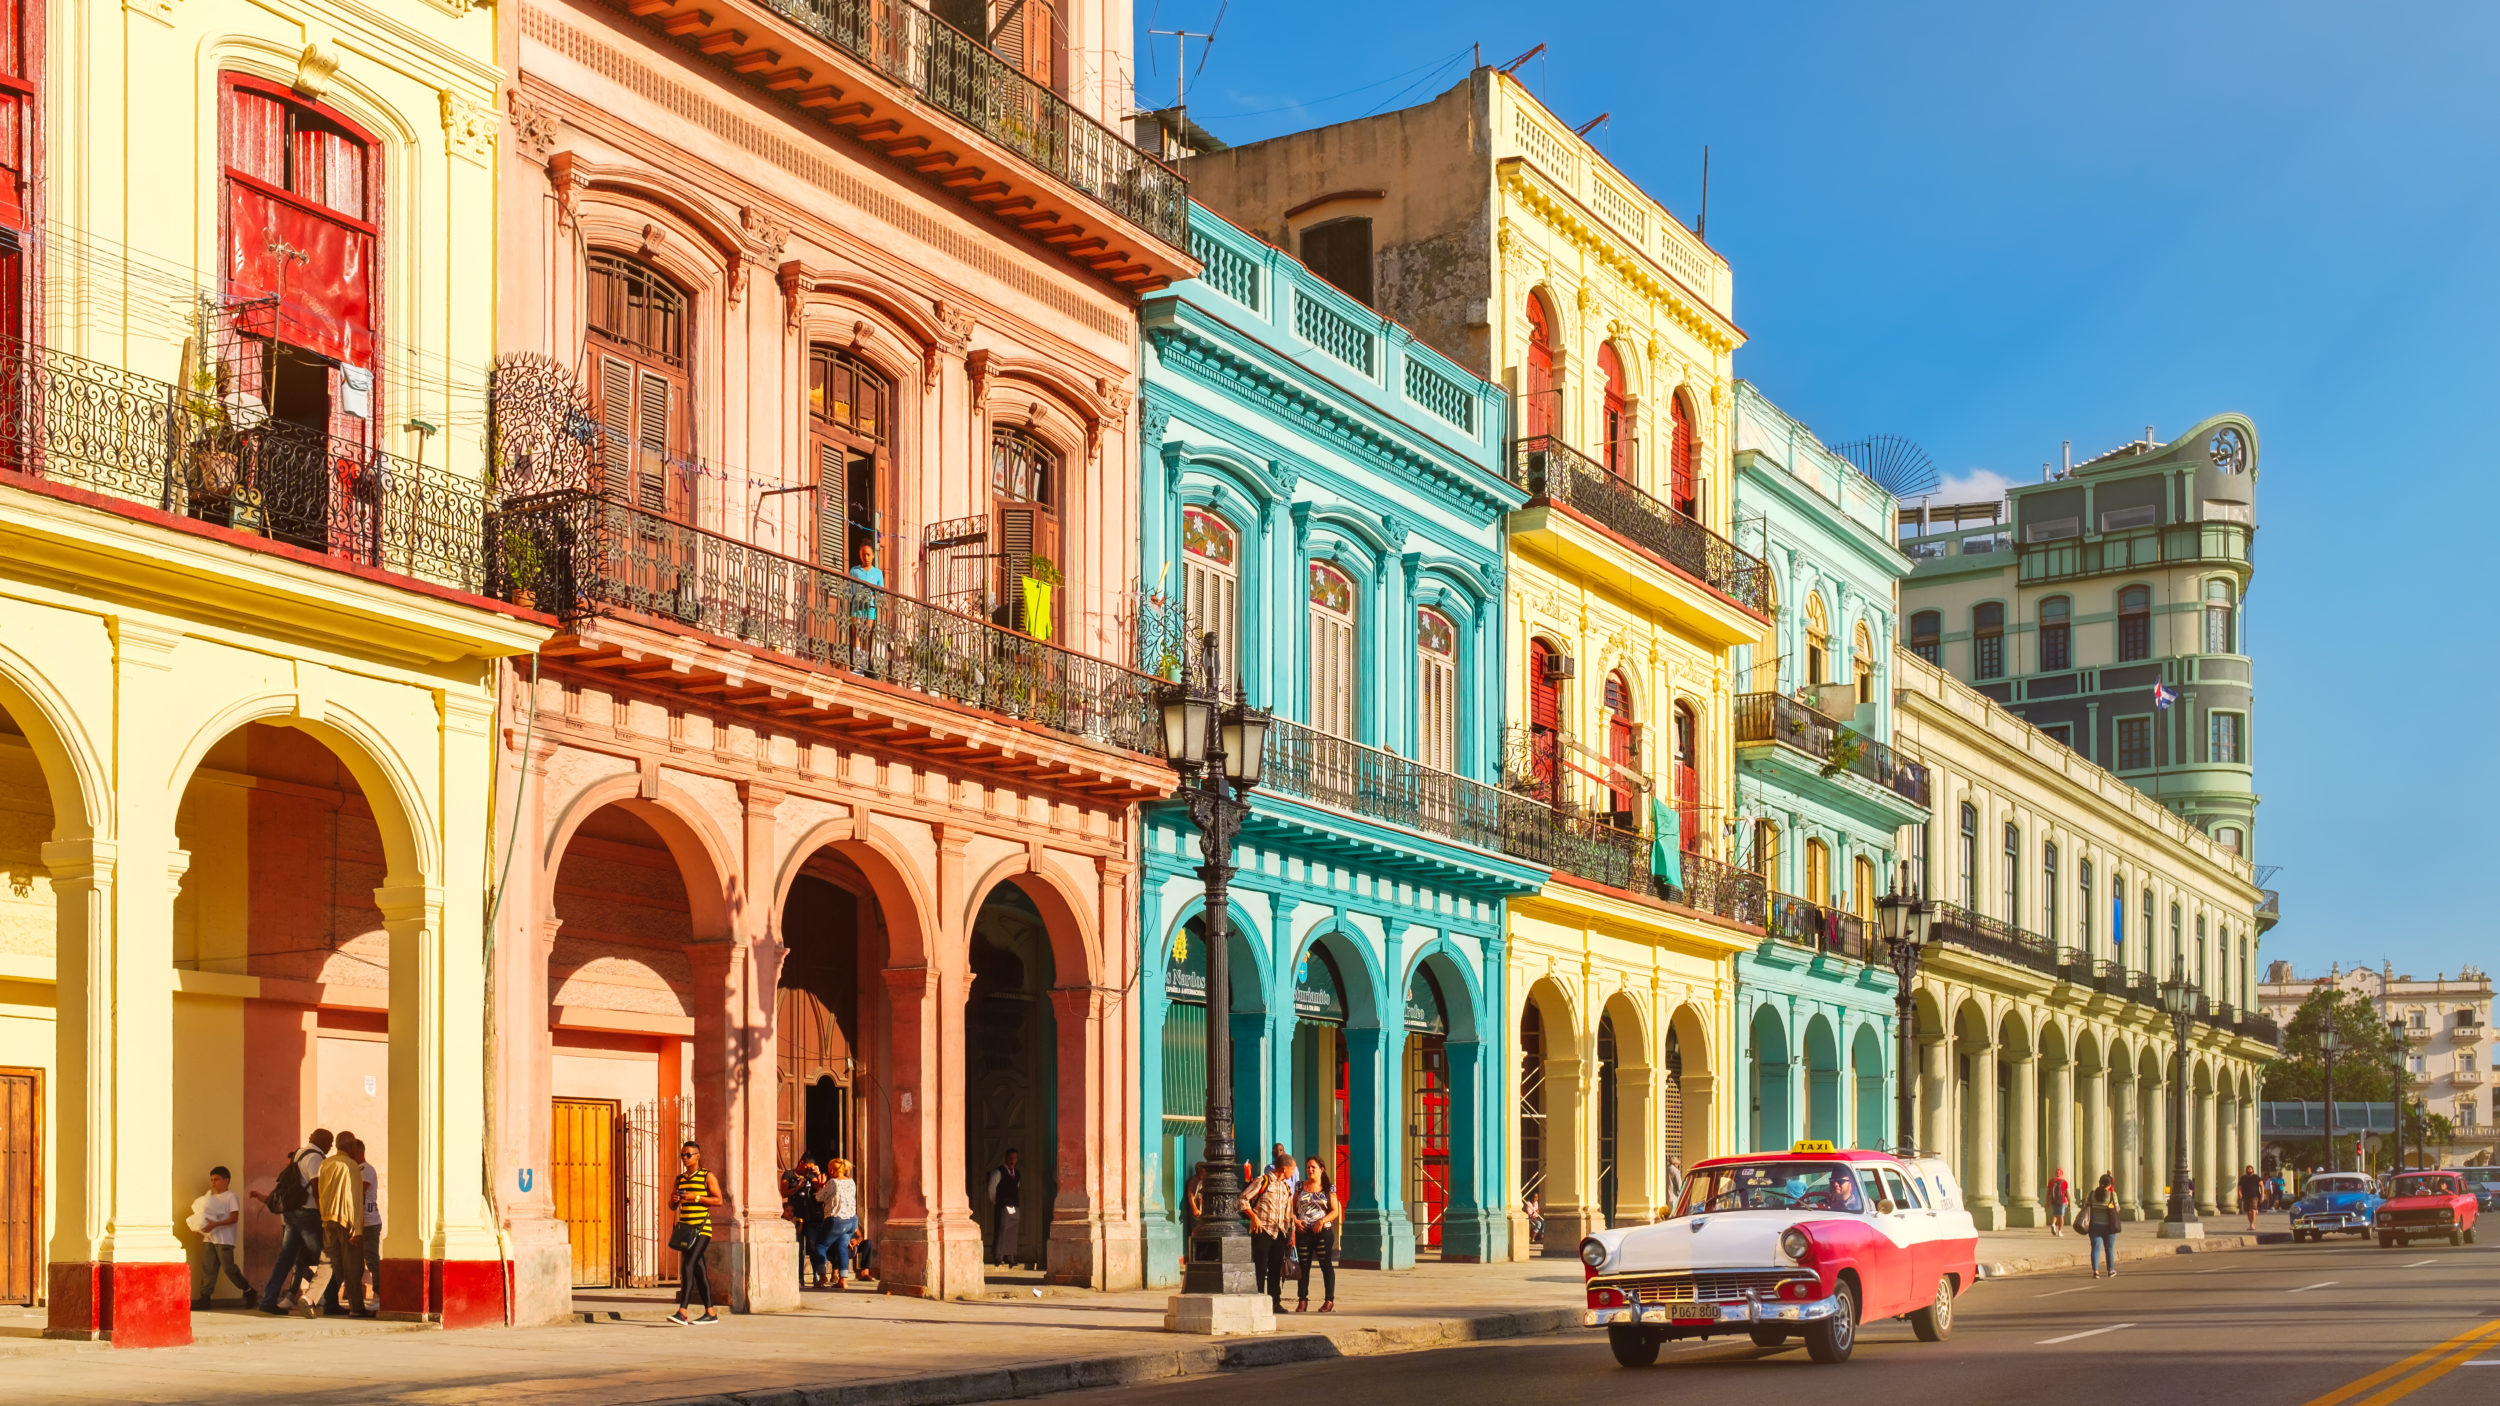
1322	1123
1774	1101
1011	1080
1824	1116
1427	1104
1540	409
1532	1149
1690	1090
818	1106
29	1066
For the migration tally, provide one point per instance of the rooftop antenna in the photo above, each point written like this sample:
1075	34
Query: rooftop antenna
1513	65
1583	129
2070	458
1180	60
1701	222
1897	465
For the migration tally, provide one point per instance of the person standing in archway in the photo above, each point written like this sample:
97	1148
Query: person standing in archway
1006	1210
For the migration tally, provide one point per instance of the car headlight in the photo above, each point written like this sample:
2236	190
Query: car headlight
1794	1244
1592	1253
2445	1213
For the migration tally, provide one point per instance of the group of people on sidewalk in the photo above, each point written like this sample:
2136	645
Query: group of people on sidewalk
1295	1216
328	1201
824	1204
2098	1219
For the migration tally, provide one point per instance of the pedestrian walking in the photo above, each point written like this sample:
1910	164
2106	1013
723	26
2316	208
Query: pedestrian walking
1317	1211
1675	1180
290	1199
1534	1210
2252	1192
1269	1204
1193	1207
1006	1210
840	1198
2060	1193
216	1216
2100	1222
697	1192
342	1199
370	1237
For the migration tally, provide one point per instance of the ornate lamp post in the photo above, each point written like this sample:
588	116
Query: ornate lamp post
1217	744
2178	996
2330	1044
1903	918
2421	1135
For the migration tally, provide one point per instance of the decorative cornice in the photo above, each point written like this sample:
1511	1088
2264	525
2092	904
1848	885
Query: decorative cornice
534	125
468	127
1565	218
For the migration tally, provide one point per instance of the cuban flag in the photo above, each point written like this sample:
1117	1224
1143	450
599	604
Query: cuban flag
2164	695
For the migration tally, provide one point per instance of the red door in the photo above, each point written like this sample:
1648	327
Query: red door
1537	384
1618	421
1429	1083
1544	719
1687	781
1682	492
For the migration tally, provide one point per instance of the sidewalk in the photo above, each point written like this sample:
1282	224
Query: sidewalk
853	1349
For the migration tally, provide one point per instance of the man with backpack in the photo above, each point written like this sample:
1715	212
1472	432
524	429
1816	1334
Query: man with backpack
291	1199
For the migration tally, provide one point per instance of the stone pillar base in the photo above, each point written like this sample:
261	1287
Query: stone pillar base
1988	1215
1219	1315
1474	1237
2182	1230
454	1293
1093	1254
1376	1239
929	1261
2029	1215
1565	1229
1522	1248
542	1272
128	1305
759	1266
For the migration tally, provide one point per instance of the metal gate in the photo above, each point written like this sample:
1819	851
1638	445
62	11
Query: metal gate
581	1177
647	1141
1428	1135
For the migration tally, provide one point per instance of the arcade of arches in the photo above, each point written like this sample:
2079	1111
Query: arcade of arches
1610	1112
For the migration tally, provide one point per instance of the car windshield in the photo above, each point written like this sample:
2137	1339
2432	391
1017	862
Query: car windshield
2330	1186
1772	1186
2423	1186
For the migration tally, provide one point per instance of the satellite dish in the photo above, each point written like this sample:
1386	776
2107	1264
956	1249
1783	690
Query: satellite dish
1899	465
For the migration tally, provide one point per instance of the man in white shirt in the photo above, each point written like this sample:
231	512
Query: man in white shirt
372	1236
220	1211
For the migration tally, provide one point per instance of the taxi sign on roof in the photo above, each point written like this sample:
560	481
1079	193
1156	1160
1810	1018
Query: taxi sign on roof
1813	1145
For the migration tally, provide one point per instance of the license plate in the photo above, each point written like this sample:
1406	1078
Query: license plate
1688	1311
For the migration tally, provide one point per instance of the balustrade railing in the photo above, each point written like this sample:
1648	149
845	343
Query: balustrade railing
966	78
577	555
1547	468
1978	932
1382	786
1776	717
1818	927
80	423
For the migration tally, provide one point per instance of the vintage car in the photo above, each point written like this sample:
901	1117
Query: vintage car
2484	1182
1805	1243
2426	1205
2332	1202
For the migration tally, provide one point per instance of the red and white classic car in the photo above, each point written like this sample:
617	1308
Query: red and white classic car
1809	1243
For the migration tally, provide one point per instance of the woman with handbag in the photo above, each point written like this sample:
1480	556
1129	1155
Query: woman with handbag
696	1194
2100	1221
1317	1210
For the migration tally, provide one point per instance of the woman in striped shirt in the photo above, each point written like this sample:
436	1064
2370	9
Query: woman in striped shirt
696	1194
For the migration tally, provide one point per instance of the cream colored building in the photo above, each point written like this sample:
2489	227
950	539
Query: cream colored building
2449	1046
1479	219
246	682
2065	897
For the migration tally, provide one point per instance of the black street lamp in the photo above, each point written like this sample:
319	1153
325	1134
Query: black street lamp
2330	1044
1217	744
2421	1134
2178	996
1902	917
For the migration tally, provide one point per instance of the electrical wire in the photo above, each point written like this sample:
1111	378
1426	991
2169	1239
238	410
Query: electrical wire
1434	67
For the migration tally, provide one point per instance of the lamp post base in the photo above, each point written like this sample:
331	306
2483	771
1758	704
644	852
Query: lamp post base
2183	1230
1219	1315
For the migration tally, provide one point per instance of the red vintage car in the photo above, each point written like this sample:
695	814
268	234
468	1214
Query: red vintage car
1805	1243
2427	1205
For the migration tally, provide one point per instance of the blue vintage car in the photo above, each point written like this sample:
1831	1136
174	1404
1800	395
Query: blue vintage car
2333	1202
2484	1182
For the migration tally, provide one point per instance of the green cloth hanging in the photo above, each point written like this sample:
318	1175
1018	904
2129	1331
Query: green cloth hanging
1037	608
1666	843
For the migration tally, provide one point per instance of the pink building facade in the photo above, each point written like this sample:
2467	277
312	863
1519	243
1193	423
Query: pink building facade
819	813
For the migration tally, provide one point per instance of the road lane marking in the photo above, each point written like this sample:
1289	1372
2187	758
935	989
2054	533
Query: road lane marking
2305	1288
2079	1288
2473	1339
2417	1264
2091	1333
2423	1378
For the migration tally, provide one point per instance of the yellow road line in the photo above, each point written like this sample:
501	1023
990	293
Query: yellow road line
2426	1376
2463	1345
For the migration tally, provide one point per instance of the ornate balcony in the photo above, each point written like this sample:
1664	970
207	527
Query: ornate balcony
1549	469
1774	717
1618	858
1382	786
947	110
130	439
578	556
1960	927
1819	928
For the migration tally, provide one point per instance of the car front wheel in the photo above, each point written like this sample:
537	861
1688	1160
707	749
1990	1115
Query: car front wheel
1830	1339
1934	1323
2456	1237
2469	1235
1633	1348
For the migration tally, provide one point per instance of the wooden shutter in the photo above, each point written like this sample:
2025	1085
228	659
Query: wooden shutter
654	413
1025	531
616	423
21	1186
833	538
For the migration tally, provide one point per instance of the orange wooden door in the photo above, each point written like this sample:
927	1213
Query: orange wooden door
21	1185
581	1176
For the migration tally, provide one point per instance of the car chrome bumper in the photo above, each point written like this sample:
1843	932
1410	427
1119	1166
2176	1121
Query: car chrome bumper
2342	1220
1745	1313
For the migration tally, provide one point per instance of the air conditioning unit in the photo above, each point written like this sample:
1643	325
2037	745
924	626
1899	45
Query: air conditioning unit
1559	667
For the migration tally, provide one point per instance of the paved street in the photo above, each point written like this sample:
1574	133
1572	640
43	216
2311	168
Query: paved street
2281	1326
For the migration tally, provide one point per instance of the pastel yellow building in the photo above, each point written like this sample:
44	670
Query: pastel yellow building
1480	220
246	677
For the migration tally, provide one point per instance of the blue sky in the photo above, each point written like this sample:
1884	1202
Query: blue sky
1995	227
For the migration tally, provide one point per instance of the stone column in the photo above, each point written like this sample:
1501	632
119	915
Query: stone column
440	1259
1570	1191
2155	1197
2091	1097
1470	1230
2249	1138
2208	1154
2023	1161
523	1052
1987	1208
932	1247
1080	1249
2126	1154
1935	1089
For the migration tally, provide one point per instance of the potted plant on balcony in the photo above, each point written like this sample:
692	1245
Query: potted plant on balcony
1847	748
522	566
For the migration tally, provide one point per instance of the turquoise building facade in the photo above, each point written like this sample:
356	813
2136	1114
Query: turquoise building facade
1323	494
1820	795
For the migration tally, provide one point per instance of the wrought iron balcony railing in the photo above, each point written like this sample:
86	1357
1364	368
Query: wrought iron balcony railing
1819	928
1980	933
1775	717
1618	858
577	556
1547	468
1382	786
967	79
83	424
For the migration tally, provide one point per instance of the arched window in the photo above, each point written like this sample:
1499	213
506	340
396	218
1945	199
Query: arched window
1623	751
2135	623
1927	636
1333	679
1536	381
2057	646
1436	691
1544	718
1862	662
1818	641
637	321
2083	906
1211	586
1862	887
1688	777
1766	852
2013	873
1683	459
1987	623
2144	925
2228	837
849	412
1024	493
1970	856
2048	891
1818	873
1616	421
2220	635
